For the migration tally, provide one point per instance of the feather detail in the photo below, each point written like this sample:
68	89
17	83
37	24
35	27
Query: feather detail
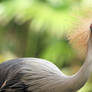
78	37
4	84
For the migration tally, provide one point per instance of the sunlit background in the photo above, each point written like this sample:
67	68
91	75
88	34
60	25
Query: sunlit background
38	28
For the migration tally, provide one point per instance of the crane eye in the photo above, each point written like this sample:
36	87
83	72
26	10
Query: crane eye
91	27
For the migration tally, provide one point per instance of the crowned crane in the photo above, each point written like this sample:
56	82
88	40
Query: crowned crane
39	75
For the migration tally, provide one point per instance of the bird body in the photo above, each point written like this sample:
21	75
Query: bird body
35	75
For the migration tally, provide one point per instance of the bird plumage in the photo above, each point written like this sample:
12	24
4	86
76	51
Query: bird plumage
10	77
35	74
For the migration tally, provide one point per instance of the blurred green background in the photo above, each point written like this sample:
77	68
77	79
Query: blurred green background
38	28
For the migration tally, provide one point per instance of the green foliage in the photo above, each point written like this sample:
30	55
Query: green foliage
57	51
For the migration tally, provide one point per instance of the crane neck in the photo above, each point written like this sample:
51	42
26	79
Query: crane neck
80	78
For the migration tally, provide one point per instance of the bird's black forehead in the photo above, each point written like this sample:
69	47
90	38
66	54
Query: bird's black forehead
91	27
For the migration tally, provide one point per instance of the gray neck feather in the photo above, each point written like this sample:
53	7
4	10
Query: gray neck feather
79	79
